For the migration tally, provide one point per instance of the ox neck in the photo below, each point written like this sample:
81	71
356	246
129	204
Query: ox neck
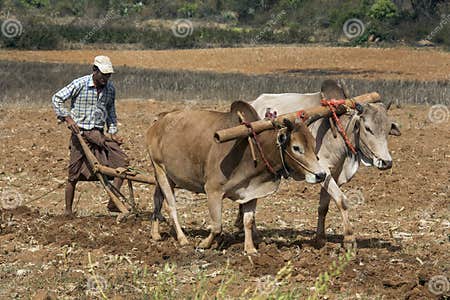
353	134
268	141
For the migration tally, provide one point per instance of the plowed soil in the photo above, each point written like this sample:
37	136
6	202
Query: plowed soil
401	222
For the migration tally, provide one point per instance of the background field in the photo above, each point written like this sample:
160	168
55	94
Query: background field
361	63
399	75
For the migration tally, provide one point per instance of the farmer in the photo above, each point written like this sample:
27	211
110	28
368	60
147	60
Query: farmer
92	105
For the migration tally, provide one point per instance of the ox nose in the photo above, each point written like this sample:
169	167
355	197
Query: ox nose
386	164
320	176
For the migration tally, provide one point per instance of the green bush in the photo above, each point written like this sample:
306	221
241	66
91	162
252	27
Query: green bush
67	8
35	37
383	10
443	36
268	21
229	16
348	10
34	3
297	34
188	10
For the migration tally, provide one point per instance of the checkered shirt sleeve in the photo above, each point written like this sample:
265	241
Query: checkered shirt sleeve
87	108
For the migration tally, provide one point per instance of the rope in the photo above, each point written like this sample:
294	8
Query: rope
299	163
258	145
60	185
332	104
286	173
268	166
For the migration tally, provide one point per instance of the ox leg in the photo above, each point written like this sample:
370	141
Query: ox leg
249	224
339	198
239	222
321	238
169	195
215	211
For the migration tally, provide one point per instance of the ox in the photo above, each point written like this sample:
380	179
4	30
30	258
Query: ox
184	154
367	129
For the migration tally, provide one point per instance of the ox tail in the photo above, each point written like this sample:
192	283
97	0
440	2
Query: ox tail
158	199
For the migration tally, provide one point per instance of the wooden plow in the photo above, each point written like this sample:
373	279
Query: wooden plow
127	206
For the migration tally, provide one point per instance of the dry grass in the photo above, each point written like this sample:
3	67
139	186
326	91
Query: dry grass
37	82
362	63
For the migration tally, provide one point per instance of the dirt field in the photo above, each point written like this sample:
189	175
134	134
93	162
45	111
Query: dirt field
365	63
401	222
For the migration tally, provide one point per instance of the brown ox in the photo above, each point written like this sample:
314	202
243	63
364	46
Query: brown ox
184	154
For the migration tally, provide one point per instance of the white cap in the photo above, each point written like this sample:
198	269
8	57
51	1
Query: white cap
104	64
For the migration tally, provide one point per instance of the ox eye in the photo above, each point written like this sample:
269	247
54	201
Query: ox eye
369	130
298	149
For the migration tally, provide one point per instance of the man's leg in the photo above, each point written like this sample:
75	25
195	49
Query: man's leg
70	193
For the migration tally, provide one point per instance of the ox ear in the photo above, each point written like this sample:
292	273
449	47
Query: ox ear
282	136
284	133
246	109
395	129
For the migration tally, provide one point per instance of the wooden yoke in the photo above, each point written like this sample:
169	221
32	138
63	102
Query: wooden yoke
312	115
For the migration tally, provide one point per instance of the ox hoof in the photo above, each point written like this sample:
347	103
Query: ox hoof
251	251
156	237
183	241
350	243
205	244
155	231
122	217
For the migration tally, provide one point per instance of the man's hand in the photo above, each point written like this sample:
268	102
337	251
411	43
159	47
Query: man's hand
118	139
72	125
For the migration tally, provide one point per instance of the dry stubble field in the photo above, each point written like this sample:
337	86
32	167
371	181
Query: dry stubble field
401	222
365	63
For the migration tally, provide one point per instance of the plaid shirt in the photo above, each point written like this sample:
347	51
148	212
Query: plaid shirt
88	108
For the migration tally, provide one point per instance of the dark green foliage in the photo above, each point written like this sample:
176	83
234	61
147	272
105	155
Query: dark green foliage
35	35
383	10
245	22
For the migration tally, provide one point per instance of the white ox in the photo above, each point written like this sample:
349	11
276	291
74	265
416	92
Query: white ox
367	130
